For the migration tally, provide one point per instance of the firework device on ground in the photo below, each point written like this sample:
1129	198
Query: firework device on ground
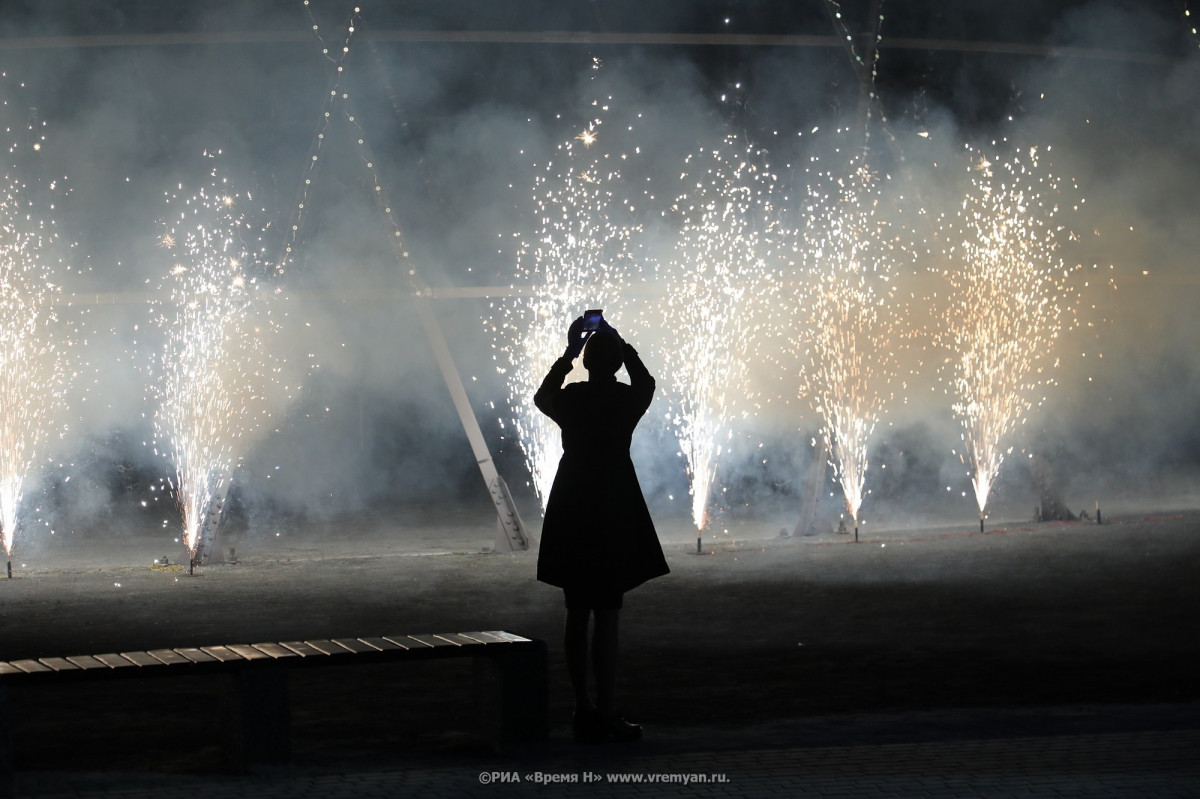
591	320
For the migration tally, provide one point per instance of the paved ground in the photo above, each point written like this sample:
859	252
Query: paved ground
1032	660
1152	755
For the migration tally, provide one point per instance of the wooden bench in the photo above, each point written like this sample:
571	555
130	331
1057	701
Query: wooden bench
510	682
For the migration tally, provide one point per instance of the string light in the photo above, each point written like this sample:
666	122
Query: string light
867	73
339	106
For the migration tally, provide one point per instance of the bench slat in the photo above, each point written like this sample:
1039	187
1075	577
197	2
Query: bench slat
195	655
142	659
275	650
460	639
246	652
58	664
221	653
404	642
354	645
414	641
509	637
328	647
115	661
30	666
432	640
8	668
302	649
168	657
87	662
382	644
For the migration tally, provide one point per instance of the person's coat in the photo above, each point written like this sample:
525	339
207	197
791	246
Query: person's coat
597	533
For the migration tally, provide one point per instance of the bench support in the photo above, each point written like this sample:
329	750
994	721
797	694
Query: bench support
7	788
511	695
259	730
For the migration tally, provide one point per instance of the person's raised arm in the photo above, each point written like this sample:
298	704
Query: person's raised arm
547	392
552	382
640	379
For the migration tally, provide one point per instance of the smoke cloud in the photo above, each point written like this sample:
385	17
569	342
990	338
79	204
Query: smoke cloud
458	133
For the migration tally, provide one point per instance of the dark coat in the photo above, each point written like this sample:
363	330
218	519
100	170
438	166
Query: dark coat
597	533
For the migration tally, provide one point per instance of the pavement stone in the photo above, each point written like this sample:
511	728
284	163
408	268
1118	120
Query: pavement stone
1145	763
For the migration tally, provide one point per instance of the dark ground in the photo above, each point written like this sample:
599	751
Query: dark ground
751	637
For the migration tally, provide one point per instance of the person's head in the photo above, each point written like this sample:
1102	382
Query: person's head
602	355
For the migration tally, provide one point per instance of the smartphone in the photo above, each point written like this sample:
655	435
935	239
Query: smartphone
591	319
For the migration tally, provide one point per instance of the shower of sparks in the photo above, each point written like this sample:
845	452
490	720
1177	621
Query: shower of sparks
584	254
1008	304
848	253
723	268
34	347
215	377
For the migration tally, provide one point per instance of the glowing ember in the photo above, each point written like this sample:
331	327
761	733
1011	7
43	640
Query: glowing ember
723	267
34	348
1007	305
214	376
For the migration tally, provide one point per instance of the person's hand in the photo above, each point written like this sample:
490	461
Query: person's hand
605	327
576	338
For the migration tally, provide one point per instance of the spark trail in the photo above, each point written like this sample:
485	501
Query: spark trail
1008	304
584	254
722	276
851	260
216	377
35	360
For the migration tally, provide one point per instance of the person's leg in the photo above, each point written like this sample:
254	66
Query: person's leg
604	657
575	647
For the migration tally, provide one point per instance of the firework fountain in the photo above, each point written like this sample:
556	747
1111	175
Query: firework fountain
584	255
851	261
34	352
722	276
1008	304
215	375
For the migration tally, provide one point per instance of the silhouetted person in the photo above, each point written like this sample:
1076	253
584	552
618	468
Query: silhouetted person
598	540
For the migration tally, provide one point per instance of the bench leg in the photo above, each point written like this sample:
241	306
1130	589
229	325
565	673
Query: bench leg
259	725
512	695
8	787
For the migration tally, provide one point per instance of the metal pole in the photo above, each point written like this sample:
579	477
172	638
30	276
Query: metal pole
511	534
812	490
207	537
